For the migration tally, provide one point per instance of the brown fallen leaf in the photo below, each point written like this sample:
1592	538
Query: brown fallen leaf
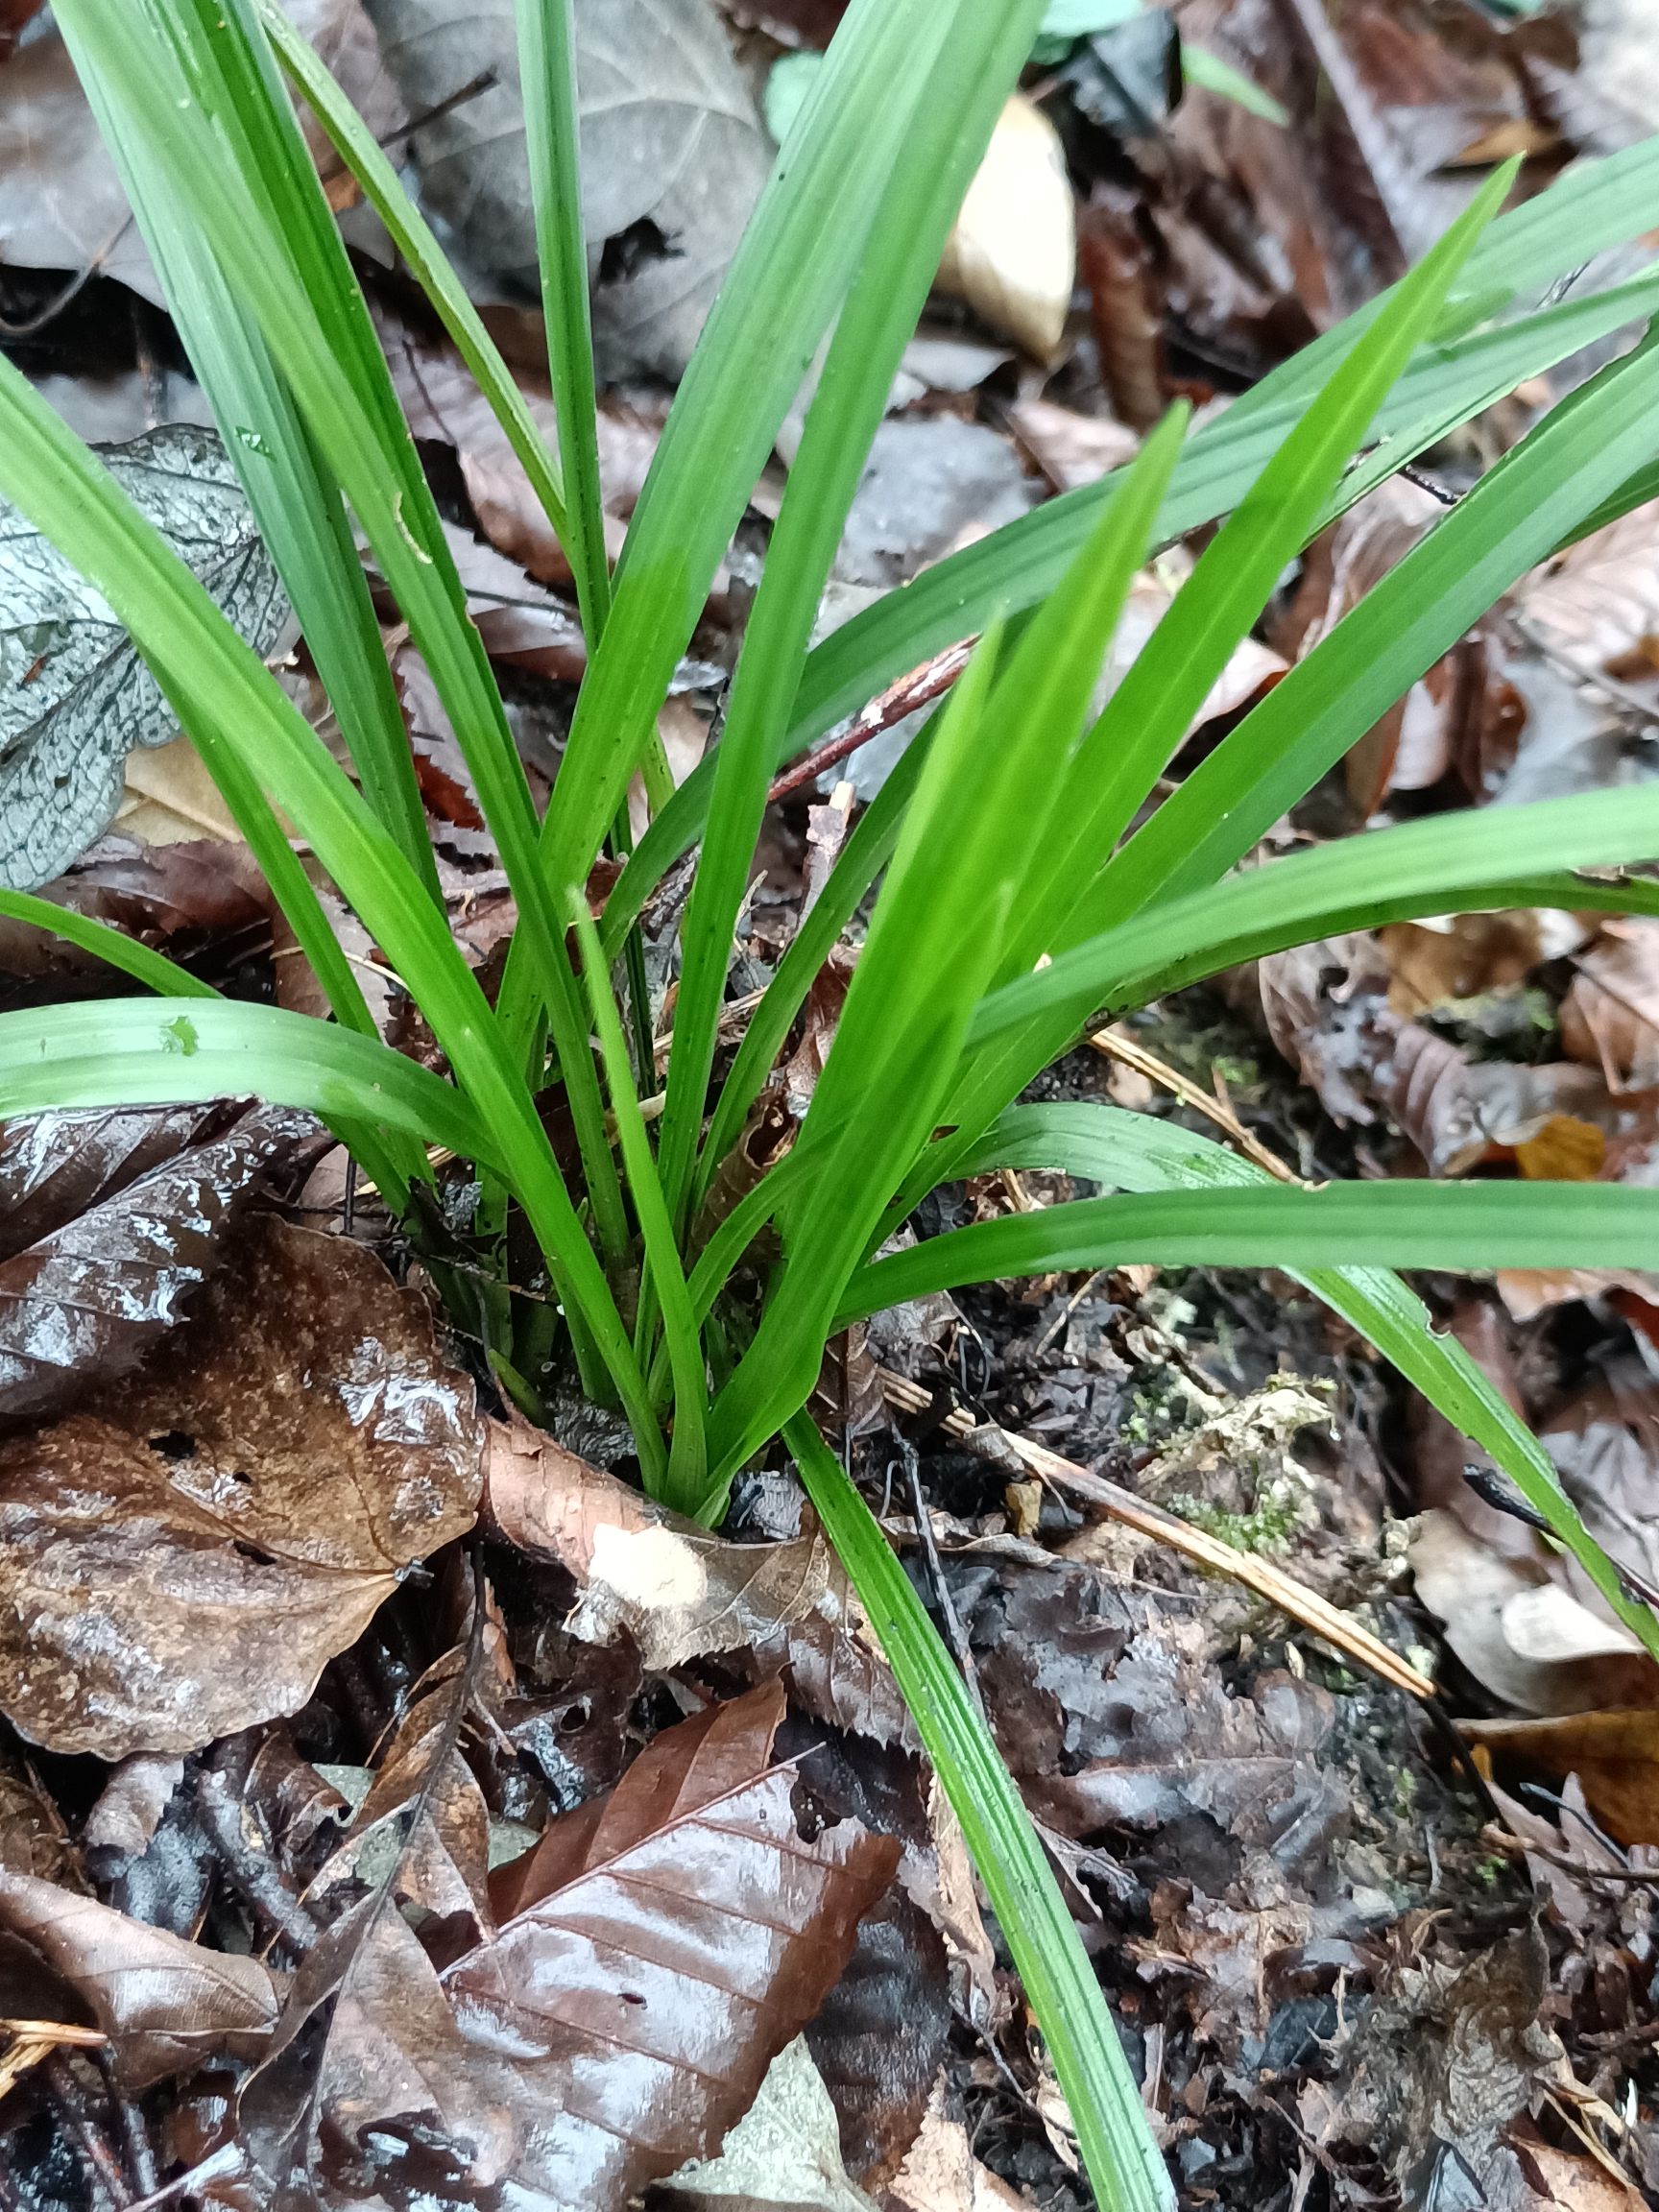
181	1560
681	1593
666	1943
1599	601
446	407
443	1860
1523	1636
1614	1756
1071	448
941	2173
1610	1014
1107	1711
167	2007
110	1221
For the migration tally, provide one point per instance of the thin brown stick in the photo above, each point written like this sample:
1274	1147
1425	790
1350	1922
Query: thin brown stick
1270	1582
1115	1045
920	688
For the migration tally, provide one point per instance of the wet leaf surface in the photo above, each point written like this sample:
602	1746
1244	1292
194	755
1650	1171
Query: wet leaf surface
75	698
182	1560
109	1225
657	1950
166	2005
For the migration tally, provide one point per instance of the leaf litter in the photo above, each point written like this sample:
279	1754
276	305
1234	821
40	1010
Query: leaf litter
340	1855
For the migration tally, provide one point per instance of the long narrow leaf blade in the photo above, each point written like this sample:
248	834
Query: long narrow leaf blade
1512	519
1475	860
1454	1225
178	1050
1016	565
1133	1152
951	122
1117	2149
1161	691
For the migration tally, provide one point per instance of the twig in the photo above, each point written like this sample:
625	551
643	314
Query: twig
101	2161
920	688
129	2118
1270	1582
257	1877
1116	1047
948	1613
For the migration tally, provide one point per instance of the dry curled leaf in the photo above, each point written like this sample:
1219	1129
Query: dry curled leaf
110	1221
179	1560
166	2006
681	1593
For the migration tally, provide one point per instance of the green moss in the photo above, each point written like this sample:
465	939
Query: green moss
1268	1526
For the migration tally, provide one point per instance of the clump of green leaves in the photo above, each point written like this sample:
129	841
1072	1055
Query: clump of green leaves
1015	897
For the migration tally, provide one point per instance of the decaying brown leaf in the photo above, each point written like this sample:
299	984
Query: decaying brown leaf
679	1591
204	902
166	2006
1442	2064
1598	602
179	1560
941	2173
443	1860
657	1949
110	1221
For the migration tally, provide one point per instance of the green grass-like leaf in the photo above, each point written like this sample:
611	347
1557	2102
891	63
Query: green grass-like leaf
1127	2171
1135	1152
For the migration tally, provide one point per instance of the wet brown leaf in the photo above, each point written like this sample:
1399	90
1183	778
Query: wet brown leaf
180	1561
204	902
664	1943
444	1857
110	1221
1110	1714
166	2006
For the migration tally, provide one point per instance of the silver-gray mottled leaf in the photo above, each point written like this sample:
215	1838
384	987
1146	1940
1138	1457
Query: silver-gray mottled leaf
673	158
75	698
